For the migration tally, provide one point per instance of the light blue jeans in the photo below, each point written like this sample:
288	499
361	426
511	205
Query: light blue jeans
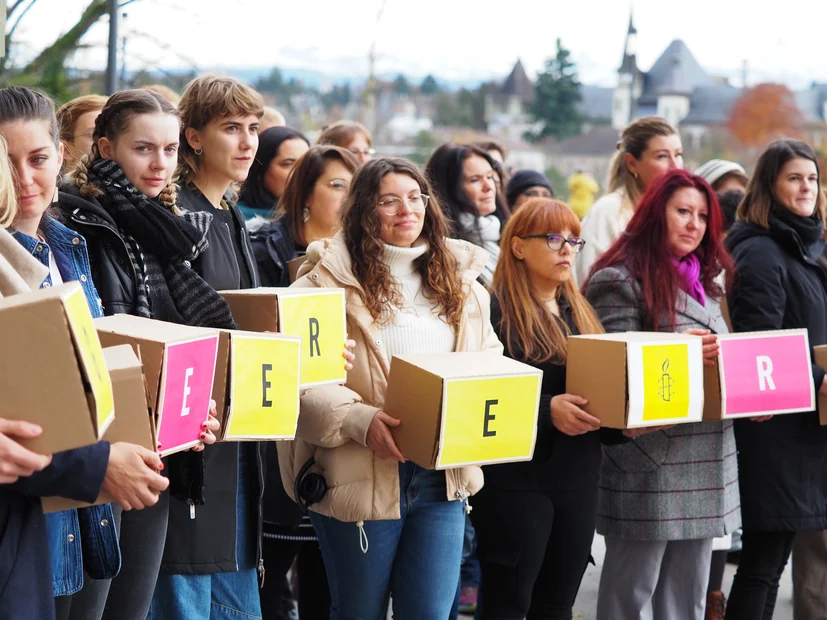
415	560
220	596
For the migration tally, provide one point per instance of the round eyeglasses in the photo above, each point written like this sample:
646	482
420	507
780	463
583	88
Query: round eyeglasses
555	242
393	204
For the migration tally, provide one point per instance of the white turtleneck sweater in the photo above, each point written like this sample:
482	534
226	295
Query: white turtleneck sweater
416	327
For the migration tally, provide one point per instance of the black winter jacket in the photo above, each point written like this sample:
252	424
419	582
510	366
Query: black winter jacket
779	283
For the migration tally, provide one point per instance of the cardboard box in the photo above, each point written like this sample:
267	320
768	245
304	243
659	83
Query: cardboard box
760	373
316	315
52	371
463	408
637	379
256	386
820	358
179	366
132	424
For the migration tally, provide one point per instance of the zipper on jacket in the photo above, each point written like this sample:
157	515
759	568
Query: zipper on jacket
192	508
462	496
260	530
245	250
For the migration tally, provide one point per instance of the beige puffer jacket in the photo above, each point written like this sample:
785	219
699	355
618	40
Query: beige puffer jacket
334	419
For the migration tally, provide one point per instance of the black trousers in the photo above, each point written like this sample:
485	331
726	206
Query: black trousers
314	595
533	548
755	588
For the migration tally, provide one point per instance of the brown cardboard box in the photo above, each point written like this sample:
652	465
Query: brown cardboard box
637	379
132	424
463	408
820	358
256	386
180	365
50	363
316	315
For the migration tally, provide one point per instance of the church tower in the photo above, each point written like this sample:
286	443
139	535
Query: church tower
629	81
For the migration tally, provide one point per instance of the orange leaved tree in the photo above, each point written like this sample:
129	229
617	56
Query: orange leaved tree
764	113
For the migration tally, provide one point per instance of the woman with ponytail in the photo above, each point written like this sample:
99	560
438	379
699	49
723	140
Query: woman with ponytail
121	198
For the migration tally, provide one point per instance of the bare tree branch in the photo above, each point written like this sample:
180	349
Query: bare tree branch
15	6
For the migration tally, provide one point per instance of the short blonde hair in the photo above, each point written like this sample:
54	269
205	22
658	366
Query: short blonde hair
69	113
206	98
342	133
166	92
8	196
271	118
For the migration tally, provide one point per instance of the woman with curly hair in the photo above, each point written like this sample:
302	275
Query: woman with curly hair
387	526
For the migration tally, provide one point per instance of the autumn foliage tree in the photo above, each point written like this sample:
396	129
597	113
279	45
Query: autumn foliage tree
764	113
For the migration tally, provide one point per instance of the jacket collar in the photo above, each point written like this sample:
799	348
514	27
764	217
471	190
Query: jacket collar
689	307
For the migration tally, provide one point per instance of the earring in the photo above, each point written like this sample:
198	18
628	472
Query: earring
305	215
198	151
635	174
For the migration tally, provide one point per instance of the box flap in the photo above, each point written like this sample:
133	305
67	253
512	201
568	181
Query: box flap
468	365
150	329
414	396
596	370
820	358
713	410
254	309
40	295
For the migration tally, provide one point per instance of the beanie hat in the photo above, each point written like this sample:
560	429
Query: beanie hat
714	169
522	180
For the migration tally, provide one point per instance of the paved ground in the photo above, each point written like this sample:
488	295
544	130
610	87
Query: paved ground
584	609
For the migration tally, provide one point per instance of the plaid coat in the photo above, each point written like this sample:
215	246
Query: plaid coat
677	484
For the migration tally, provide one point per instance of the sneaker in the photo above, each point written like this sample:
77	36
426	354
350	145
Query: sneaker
467	600
715	606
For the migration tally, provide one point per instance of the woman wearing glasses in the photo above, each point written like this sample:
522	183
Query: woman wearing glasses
665	495
351	136
465	178
385	525
279	148
535	520
308	211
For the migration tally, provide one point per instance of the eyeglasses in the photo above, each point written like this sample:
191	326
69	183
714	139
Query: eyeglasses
365	152
393	205
556	242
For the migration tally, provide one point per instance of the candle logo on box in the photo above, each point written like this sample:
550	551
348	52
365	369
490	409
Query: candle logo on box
665	381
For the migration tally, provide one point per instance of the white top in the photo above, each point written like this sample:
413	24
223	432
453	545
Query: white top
601	227
416	328
54	272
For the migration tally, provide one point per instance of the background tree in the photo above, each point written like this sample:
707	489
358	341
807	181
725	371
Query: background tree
401	86
762	114
557	93
429	86
425	143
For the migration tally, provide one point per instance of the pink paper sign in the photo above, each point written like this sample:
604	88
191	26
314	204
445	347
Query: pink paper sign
766	374
189	370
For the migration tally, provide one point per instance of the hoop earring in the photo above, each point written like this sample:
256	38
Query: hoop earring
305	215
198	151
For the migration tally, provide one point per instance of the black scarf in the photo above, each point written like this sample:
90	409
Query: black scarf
161	246
804	233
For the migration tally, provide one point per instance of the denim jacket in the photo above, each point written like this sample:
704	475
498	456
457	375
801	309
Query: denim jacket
84	539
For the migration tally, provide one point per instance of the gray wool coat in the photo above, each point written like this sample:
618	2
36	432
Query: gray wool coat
677	484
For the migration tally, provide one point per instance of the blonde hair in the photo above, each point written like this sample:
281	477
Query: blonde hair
112	123
69	113
271	118
207	98
8	196
635	140
166	92
342	133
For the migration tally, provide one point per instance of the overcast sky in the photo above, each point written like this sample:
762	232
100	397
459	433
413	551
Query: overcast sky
452	38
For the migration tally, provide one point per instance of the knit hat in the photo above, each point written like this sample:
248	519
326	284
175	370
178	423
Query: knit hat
714	169
522	180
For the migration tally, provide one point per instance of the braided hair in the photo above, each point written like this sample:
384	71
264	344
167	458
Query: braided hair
112	123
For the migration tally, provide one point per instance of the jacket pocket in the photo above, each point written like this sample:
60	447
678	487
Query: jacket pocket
646	453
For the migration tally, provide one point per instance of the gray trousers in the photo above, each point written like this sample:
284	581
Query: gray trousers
654	580
810	576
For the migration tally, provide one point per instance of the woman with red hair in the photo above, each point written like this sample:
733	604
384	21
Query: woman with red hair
665	495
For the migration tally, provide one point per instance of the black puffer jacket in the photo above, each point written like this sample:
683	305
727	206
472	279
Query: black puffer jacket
780	283
273	248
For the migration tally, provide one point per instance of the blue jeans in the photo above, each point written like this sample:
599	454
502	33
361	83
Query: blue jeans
221	596
415	559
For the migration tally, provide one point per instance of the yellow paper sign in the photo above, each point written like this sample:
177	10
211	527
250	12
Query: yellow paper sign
665	382
91	358
265	388
488	420
317	318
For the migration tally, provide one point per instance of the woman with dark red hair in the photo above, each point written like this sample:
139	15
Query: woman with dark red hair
667	493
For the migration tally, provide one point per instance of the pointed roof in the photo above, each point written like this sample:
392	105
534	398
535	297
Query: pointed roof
518	83
676	71
629	64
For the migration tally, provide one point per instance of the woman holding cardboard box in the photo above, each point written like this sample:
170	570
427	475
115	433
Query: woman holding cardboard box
127	472
535	520
122	198
781	283
667	494
387	526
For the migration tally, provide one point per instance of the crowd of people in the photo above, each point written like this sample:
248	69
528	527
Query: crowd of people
153	202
